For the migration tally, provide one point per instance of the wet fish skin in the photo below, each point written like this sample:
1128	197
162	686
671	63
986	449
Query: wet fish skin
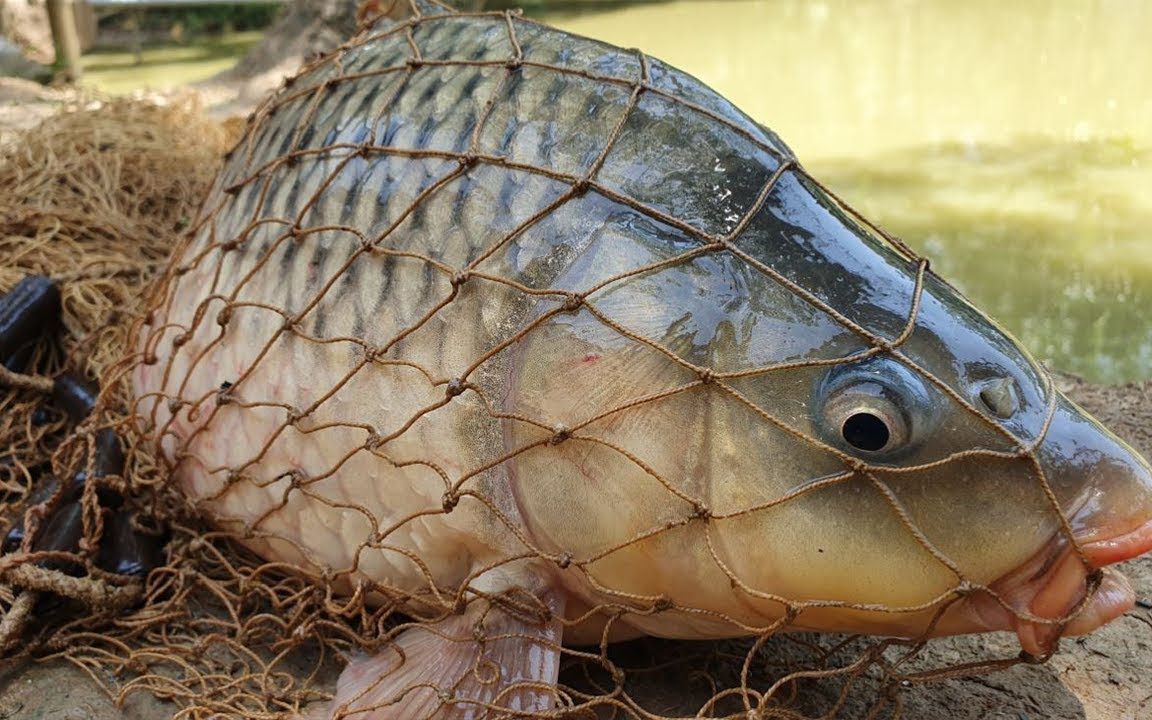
379	235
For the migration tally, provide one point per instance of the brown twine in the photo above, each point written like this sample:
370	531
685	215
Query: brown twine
98	199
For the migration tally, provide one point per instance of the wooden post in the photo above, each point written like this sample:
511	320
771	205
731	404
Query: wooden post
62	18
137	44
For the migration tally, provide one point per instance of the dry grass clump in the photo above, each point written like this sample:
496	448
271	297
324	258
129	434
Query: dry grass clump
94	198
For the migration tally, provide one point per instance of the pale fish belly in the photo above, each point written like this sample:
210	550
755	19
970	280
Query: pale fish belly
284	437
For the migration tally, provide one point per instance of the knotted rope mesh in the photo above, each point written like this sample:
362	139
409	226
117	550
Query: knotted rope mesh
350	368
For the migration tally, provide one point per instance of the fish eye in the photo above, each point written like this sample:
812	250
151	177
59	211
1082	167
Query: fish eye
867	418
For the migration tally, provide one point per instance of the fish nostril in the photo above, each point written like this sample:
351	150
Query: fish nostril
1000	397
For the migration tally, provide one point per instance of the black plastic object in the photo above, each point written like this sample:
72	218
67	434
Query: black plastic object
42	492
31	309
108	458
39	494
74	395
125	551
61	533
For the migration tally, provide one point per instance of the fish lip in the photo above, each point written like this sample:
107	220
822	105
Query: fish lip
1064	589
1124	546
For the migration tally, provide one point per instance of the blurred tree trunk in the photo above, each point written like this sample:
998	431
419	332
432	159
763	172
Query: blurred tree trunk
62	18
25	23
304	28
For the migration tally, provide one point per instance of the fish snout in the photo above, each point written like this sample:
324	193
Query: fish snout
1104	486
1104	489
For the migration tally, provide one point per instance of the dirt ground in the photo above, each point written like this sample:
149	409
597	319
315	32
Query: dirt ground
1104	676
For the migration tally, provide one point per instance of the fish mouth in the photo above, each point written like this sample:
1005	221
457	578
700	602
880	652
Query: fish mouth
1061	591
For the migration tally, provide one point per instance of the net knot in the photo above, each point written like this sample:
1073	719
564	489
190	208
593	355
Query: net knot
1095	577
560	433
296	478
414	63
223	396
455	387
706	375
449	502
467	160
514	64
580	186
564	561
180	339
224	316
662	604
572	302
459	278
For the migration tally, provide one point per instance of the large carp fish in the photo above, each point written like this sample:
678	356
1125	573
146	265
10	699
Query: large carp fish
544	343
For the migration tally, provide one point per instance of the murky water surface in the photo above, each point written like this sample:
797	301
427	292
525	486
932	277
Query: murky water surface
116	72
1010	141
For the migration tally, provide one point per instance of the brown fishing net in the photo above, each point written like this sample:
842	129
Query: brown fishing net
340	359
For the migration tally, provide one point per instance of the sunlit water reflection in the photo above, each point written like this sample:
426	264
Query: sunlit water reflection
1010	141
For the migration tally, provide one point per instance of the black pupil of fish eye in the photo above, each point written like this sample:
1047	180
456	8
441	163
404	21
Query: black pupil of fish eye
865	431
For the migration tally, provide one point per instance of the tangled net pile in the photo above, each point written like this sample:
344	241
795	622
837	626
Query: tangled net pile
226	631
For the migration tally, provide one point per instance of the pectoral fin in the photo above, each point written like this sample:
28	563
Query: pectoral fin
491	661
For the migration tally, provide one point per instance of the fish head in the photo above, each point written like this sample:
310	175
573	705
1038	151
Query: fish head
810	424
975	489
779	411
1021	529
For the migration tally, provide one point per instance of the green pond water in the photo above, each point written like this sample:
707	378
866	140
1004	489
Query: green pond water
116	71
1009	140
